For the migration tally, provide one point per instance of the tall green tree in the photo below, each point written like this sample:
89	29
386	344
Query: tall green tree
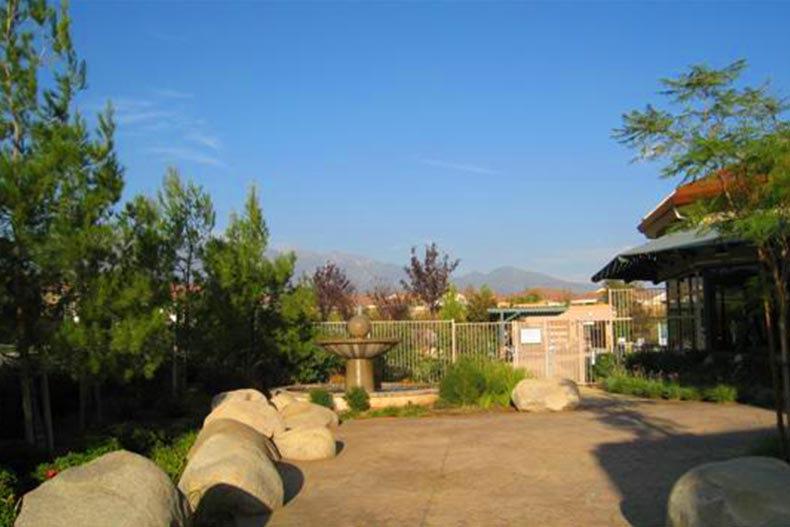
451	306
714	126
57	180
187	220
480	301
245	293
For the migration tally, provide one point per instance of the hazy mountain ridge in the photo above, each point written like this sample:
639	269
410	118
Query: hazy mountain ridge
365	273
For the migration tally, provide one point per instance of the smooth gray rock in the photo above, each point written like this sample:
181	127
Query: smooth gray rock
300	415
258	415
231	474
741	492
306	444
540	395
119	489
244	394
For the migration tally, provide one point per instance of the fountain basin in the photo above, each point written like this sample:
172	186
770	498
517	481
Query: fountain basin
392	394
358	348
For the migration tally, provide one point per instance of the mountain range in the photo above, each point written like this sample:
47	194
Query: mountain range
366	273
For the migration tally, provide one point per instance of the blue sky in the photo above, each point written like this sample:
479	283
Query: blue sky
372	127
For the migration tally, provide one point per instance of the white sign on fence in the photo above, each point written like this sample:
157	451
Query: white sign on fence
530	336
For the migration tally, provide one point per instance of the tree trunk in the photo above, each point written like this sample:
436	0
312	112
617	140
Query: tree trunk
46	407
27	403
174	371
784	342
83	402
779	401
97	400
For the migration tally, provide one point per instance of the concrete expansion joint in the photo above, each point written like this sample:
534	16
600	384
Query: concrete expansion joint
437	484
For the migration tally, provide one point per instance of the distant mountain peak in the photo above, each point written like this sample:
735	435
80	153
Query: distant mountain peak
365	273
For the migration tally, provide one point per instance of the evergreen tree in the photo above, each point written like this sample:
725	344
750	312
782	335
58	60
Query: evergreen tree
57	183
245	294
187	221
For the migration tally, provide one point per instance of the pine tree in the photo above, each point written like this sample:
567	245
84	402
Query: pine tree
187	221
57	181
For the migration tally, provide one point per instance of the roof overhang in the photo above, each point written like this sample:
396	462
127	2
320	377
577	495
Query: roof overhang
645	262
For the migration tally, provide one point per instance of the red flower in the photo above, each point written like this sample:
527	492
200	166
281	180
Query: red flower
51	473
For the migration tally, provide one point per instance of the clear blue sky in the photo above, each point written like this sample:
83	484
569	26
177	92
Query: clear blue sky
372	127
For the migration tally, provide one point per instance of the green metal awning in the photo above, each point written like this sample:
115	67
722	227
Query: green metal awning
643	262
509	313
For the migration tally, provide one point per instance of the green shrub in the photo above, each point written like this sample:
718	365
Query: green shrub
605	365
463	384
672	391
135	438
96	447
357	399
690	393
322	397
660	389
487	383
721	393
172	458
7	497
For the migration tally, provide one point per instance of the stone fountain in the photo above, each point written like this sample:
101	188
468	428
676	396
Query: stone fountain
359	350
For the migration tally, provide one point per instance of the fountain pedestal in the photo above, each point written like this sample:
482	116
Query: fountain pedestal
359	350
359	372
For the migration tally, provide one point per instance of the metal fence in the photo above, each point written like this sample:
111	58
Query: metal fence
427	347
545	347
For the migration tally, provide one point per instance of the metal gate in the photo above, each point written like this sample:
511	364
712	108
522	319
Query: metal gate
560	348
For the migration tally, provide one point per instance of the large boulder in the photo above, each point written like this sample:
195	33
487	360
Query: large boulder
120	489
741	492
301	415
242	431
231	474
245	394
282	399
258	415
540	395
306	444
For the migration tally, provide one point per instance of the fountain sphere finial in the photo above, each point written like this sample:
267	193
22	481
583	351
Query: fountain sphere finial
358	326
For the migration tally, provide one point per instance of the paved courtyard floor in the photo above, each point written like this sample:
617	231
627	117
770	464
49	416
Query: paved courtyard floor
611	463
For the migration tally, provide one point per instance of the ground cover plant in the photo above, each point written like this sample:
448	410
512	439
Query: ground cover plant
658	388
357	399
8	498
322	398
408	411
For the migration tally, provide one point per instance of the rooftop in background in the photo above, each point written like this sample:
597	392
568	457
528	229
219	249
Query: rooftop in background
668	212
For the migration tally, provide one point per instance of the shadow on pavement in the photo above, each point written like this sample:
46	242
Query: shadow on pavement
645	468
293	479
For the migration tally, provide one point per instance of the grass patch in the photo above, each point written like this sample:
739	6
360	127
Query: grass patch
408	411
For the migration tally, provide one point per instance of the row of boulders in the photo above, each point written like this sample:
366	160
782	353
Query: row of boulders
231	467
541	395
231	471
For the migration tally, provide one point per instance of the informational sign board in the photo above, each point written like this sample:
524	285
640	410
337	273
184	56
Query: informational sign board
530	336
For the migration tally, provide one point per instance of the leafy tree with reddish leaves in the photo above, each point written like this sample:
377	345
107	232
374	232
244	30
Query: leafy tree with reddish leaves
333	291
429	277
390	305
